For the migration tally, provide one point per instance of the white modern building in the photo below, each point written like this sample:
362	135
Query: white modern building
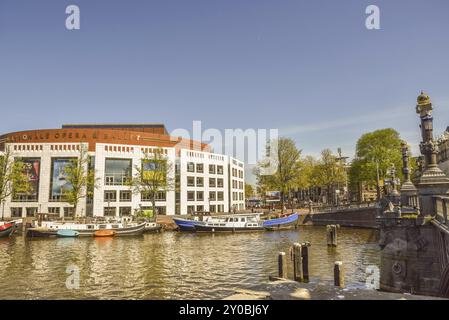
206	181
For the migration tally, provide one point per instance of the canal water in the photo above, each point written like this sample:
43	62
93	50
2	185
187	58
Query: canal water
171	265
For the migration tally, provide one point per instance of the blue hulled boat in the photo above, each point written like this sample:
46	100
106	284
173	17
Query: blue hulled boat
187	224
67	233
281	223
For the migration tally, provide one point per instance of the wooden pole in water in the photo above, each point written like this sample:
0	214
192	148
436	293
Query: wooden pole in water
339	274
305	261
282	265
331	232
298	274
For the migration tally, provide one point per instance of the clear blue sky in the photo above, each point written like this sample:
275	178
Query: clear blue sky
307	67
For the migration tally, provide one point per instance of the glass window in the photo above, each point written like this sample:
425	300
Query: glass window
161	196
190	209
109	211
200	208
219	169
125	196
32	171
110	196
212	183
212	208
59	182
220	196
190	181
117	171
199	195
190	195
199	168
125	211
199	182
220	183
212	168
212	195
16	212
68	211
55	210
190	167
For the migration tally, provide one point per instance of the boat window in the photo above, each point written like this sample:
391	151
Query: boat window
102	226
222	224
114	226
242	219
90	226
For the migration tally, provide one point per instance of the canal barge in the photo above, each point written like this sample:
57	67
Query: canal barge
88	229
231	223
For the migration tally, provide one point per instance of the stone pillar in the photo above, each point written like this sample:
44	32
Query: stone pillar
409	193
432	181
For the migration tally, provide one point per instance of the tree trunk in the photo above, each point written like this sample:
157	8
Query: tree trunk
153	202
282	202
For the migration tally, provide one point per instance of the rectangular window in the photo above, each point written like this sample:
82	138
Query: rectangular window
190	195
212	208
125	196
190	181
190	167
110	196
220	196
68	211
161	210
125	211
219	169
118	171
199	168
31	212
212	183
190	209
200	208
59	183
199	182
212	169
199	195
161	196
220	183
212	195
54	210
16	212
110	211
32	172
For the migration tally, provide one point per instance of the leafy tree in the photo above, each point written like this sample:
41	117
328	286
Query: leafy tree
376	153
81	179
249	190
328	172
154	175
13	178
287	160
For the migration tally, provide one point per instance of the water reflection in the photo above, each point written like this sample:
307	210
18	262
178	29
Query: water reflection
172	265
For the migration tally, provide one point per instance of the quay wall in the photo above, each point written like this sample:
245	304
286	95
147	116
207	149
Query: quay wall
357	217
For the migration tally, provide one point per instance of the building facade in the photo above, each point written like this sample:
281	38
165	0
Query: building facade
205	181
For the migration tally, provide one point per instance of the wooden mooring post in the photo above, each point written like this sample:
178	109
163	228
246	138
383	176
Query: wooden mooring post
298	274
339	274
305	261
331	231
282	265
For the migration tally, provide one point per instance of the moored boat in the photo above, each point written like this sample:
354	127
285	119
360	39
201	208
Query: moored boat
67	233
187	224
41	232
281	223
232	223
7	229
88	229
152	227
104	233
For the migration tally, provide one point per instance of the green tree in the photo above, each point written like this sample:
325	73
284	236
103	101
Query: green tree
249	190
153	175
80	177
287	157
13	178
376	153
329	172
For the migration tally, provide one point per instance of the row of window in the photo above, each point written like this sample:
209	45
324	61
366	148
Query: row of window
213	169
28	147
237	173
213	182
237	196
237	184
199	196
126	196
212	208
